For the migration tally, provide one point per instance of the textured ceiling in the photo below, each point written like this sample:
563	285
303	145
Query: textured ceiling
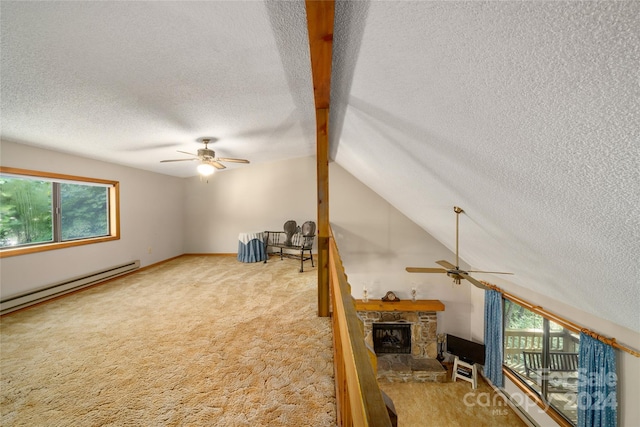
526	114
132	82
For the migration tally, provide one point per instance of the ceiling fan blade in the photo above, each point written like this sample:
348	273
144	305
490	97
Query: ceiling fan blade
473	281
425	270
216	164
490	272
177	160
184	152
226	159
447	265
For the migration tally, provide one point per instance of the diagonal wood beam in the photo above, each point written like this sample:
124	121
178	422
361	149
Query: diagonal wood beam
320	14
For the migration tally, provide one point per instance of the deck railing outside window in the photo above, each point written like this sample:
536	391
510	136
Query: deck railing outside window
544	357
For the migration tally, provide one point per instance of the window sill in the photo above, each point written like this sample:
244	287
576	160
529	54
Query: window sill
9	252
555	415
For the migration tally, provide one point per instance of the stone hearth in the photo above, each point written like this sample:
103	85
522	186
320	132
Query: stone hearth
405	368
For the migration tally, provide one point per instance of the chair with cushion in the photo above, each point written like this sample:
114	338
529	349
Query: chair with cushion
290	228
293	238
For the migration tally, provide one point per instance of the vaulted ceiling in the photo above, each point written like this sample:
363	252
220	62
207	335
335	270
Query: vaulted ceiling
525	114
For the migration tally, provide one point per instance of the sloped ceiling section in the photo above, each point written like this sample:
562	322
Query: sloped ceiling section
525	114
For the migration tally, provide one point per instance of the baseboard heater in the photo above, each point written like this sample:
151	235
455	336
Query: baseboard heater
19	301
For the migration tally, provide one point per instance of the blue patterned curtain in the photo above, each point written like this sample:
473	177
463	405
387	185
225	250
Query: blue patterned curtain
597	400
493	333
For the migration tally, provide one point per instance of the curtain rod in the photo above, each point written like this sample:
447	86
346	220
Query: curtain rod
562	321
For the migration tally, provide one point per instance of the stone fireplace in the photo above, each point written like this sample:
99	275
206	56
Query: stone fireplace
403	336
422	330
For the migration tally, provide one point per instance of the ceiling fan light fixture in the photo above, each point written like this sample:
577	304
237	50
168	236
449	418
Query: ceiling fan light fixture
208	160
205	169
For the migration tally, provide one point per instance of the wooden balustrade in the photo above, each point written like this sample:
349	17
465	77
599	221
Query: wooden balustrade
358	397
517	340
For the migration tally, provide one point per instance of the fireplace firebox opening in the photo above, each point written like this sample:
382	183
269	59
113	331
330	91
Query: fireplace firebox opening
392	337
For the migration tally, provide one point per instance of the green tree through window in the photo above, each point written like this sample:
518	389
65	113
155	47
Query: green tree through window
84	211
43	211
25	211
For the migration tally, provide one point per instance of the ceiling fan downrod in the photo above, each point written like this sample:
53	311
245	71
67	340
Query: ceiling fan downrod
458	211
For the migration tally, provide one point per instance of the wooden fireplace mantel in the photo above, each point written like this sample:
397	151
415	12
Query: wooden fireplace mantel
402	305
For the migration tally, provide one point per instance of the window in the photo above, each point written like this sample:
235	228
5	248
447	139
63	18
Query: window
543	355
42	211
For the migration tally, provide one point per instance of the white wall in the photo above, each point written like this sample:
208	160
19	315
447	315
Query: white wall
247	199
377	242
151	216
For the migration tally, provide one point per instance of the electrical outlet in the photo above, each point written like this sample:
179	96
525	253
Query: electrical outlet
149	249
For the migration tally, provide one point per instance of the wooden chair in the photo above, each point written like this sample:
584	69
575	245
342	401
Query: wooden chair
293	238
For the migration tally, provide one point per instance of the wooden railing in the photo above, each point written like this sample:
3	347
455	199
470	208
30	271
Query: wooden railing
517	340
358	397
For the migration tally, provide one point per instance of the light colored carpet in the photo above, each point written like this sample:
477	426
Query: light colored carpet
198	341
449	404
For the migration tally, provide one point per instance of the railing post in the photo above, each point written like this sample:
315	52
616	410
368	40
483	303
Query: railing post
320	17
322	159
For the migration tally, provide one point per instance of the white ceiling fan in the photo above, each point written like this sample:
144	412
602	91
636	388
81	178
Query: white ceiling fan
209	161
451	270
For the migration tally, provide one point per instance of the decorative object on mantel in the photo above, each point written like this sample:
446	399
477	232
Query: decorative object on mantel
365	294
390	297
441	339
414	293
